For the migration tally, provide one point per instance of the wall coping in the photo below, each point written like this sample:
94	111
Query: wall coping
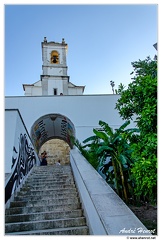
105	211
56	96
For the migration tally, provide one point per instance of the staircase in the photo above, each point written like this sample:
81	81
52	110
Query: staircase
47	204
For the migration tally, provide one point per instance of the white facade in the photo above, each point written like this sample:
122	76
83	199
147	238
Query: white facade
48	115
54	79
10	129
34	89
84	111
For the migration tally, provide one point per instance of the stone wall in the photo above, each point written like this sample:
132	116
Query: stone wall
56	150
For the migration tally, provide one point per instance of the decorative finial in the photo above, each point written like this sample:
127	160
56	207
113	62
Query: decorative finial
63	41
45	39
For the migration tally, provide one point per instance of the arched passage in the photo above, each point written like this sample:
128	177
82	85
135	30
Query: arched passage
52	126
57	150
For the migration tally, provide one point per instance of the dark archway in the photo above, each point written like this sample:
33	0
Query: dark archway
52	126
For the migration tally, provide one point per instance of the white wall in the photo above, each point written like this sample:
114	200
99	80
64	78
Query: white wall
84	111
37	91
14	127
33	91
75	91
10	126
55	70
20	156
55	84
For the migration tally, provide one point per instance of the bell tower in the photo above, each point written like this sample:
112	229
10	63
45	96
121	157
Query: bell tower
54	75
54	79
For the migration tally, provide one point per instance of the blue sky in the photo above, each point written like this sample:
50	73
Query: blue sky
102	41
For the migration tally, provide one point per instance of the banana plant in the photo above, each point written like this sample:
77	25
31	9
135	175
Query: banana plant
115	144
89	151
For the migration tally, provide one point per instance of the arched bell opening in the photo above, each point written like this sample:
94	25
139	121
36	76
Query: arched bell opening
53	129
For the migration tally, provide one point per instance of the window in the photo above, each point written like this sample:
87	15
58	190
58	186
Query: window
55	91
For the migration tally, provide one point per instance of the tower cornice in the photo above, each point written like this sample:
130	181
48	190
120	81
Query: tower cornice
52	43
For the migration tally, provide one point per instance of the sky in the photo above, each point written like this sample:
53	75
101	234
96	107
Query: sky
102	41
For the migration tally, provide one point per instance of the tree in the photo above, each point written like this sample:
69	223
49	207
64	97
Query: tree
141	90
120	88
140	101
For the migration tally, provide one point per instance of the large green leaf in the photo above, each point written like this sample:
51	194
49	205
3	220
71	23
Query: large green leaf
92	138
101	135
122	127
104	148
132	130
106	128
123	159
117	138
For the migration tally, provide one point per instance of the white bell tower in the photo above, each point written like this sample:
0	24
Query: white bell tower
54	77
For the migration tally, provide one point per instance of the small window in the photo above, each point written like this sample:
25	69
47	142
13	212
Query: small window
55	91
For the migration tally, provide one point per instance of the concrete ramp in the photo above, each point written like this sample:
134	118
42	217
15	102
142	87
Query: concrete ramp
105	211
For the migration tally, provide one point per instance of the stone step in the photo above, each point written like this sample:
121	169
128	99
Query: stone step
42	183
56	174
49	187
42	208
46	192
52	188
44	196
53	168
48	177
80	230
40	225
54	171
45	202
43	216
49	181
51	171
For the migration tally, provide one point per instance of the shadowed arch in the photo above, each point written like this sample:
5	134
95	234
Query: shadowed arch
52	126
